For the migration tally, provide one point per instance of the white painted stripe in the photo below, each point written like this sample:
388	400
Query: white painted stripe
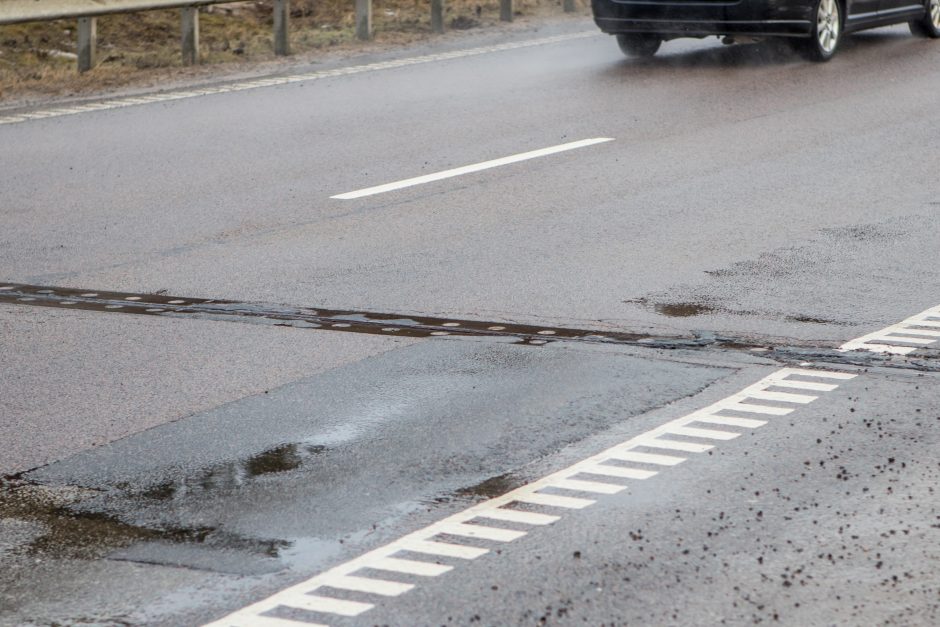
920	332
481	531
784	397
469	169
710	434
888	348
588	486
444	549
367	584
804	385
410	567
268	621
925	322
820	374
326	605
676	445
421	540
553	500
647	458
732	421
515	515
757	409
892	335
885	340
620	471
118	103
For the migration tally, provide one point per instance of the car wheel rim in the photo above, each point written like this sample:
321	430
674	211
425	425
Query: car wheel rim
827	24
935	13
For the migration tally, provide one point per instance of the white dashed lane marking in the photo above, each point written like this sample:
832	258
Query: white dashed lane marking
580	485
469	169
119	103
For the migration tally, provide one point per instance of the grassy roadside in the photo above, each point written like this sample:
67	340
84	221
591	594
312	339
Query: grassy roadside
37	60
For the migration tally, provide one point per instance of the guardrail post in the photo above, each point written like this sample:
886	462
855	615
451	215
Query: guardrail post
505	10
364	19
87	42
190	31
281	17
437	16
569	6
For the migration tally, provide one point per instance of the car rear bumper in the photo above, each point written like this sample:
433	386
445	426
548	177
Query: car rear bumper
701	18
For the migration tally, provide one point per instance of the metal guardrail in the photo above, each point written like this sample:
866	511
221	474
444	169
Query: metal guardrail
87	12
18	11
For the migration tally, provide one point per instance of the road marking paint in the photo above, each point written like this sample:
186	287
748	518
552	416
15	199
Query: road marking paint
271	621
919	332
481	531
410	567
758	409
894	335
367	584
325	605
647	458
579	485
676	445
553	500
619	471
423	540
891	339
515	515
469	169
786	397
119	103
444	549
731	421
805	385
709	434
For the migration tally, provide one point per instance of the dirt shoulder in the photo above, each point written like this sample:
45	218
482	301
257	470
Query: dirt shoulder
140	53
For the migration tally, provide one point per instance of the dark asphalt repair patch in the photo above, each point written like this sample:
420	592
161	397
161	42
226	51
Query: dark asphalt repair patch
403	325
323	319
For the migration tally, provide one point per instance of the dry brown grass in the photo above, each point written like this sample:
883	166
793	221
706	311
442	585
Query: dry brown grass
38	59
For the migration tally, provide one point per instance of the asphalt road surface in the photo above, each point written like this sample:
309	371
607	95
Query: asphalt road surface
650	343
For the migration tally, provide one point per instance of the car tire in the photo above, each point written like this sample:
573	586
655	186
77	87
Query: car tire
639	45
929	25
827	32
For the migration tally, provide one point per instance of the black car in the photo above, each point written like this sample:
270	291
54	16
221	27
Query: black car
814	27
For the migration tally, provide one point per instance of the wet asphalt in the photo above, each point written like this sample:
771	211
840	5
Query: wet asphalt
753	212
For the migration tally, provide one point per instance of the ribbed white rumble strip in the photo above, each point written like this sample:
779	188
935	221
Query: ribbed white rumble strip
633	460
420	553
920	330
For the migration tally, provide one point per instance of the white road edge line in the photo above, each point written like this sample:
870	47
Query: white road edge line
469	169
118	103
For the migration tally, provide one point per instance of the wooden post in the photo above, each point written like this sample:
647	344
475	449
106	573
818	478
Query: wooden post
437	16
364	19
189	18
281	17
87	42
505	10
